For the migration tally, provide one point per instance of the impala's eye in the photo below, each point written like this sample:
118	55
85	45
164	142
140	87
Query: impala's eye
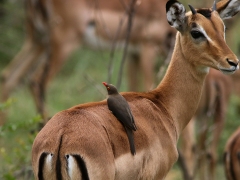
196	34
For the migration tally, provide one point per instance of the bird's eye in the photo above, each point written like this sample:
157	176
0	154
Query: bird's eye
196	34
108	88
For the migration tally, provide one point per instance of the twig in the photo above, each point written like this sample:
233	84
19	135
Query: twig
114	42
94	84
130	12
112	52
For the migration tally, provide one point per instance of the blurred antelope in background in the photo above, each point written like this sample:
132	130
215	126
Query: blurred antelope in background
56	28
87	142
232	156
198	153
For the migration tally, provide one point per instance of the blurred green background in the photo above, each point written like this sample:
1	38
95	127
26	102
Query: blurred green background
78	82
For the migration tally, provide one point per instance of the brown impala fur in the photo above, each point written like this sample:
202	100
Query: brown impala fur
232	156
55	28
198	155
87	142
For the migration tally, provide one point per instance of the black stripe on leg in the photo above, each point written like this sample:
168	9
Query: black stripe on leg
82	167
41	165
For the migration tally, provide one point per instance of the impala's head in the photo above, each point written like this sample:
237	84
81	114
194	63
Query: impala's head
110	88
202	33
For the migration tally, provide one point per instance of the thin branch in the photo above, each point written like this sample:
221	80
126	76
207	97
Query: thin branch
94	84
130	12
114	42
112	52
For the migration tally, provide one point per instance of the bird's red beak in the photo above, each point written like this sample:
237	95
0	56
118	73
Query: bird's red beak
105	84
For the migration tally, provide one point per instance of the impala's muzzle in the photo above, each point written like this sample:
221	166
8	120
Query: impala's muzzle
234	65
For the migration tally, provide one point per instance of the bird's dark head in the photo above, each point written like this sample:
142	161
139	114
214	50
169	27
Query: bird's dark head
110	88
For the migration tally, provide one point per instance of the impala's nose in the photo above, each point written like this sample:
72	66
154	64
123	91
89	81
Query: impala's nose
233	63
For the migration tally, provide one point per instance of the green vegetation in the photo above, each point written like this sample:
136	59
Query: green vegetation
76	83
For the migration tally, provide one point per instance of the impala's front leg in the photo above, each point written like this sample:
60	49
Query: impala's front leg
17	70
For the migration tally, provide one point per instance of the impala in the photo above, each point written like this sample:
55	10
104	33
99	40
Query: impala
232	156
199	154
88	142
55	28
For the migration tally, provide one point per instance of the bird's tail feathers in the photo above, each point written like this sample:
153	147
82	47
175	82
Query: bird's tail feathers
131	140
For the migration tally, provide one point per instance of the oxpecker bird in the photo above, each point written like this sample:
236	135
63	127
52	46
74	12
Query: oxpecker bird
121	110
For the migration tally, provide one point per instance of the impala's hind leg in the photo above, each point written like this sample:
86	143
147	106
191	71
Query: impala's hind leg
18	69
56	54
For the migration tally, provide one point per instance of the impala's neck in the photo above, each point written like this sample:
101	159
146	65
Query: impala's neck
182	86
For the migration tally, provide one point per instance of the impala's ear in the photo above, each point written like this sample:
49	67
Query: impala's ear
176	14
228	8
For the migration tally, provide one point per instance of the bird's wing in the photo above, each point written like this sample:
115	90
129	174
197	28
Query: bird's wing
132	118
120	109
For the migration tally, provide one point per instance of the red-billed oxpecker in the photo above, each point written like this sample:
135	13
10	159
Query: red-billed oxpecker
121	110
